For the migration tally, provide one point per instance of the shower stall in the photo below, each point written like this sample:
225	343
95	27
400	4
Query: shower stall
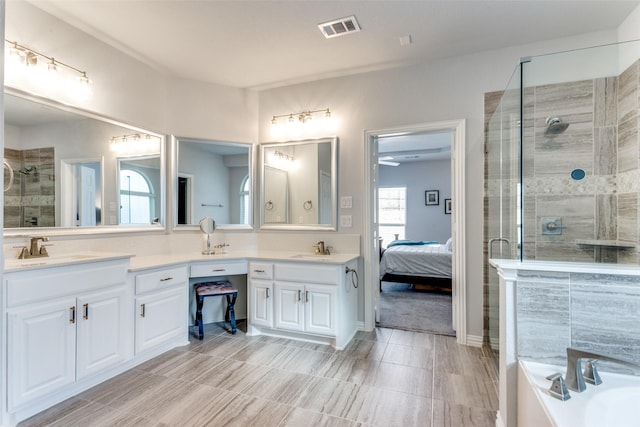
562	171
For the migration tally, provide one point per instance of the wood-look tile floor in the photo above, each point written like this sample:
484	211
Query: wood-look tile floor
383	378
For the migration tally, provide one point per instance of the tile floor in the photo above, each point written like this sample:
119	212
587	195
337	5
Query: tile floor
383	378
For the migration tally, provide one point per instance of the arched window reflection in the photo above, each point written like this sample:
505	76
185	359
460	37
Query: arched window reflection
137	198
245	203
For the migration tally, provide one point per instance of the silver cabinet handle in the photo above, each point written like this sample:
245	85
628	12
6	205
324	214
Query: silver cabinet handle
142	310
219	269
258	271
72	318
85	308
166	279
306	296
267	292
299	295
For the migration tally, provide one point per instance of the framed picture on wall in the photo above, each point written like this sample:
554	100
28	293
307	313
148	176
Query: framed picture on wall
431	197
447	206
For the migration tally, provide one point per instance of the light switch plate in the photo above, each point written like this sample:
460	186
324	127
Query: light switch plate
346	202
345	220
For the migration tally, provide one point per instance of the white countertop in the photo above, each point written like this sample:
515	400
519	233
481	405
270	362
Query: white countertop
59	260
153	261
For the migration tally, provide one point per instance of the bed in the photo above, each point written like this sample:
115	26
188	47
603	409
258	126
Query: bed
426	265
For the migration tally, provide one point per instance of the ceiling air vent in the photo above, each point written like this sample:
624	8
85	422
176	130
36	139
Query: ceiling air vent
339	27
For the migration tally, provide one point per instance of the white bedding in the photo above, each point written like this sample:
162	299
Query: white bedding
417	260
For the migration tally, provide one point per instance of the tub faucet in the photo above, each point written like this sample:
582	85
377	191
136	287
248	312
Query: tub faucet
575	378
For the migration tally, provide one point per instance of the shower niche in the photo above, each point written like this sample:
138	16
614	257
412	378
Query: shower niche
29	200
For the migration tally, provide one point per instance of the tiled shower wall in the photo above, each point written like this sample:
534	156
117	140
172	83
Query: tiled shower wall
602	139
595	312
30	202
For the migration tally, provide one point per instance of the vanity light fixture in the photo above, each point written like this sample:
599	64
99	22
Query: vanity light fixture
302	117
135	143
25	56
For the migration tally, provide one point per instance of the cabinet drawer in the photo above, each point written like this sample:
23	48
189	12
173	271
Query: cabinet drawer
307	273
161	279
223	268
259	270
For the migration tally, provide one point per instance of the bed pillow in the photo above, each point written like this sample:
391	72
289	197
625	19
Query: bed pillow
448	244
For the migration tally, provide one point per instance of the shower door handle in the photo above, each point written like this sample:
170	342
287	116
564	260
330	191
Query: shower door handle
497	239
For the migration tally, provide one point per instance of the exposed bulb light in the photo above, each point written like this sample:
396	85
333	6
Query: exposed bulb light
52	67
303	116
135	143
45	74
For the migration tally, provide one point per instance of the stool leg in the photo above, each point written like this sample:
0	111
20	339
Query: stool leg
231	312
199	317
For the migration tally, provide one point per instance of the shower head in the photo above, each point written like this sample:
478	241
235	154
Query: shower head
27	170
555	126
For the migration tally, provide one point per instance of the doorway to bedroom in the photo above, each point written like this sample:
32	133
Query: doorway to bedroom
454	130
414	229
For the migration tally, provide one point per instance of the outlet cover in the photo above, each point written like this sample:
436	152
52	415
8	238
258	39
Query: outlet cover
345	220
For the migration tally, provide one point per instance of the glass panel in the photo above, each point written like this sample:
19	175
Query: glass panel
581	150
502	168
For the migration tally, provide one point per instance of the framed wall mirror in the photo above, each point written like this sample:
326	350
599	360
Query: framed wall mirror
212	179
67	164
299	185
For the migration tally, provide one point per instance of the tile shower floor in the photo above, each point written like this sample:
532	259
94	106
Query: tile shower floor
383	378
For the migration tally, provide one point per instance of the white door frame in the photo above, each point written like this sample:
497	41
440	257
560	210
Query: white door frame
458	232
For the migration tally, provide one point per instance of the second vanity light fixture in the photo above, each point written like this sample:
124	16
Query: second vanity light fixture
135	143
26	57
301	117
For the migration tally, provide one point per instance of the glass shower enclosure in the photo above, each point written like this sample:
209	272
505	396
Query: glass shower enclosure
562	164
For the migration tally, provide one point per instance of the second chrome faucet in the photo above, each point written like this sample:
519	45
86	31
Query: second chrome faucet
576	378
34	251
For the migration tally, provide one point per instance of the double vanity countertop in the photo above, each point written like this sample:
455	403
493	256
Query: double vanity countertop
145	262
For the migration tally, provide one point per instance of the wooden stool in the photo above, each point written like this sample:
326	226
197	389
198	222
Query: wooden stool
215	289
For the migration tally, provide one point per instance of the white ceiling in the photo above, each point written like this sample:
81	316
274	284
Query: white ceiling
260	44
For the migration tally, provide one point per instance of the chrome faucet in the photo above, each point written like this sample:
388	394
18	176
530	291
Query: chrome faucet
575	378
321	249
34	251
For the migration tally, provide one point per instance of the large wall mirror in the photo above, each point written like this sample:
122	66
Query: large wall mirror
299	185
67	168
212	179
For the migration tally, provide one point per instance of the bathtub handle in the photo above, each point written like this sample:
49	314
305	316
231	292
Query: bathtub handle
497	239
558	387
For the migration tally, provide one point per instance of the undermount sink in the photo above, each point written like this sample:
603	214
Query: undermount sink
311	256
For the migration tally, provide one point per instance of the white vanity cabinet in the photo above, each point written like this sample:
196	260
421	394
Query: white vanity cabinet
161	308
261	294
310	300
64	325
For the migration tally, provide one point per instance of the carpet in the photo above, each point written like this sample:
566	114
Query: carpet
401	307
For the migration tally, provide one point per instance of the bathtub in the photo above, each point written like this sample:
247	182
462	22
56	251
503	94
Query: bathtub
615	402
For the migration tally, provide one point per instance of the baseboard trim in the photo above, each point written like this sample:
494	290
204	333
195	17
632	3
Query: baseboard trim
475	340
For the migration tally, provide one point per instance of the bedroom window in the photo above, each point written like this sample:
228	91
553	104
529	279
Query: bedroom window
392	213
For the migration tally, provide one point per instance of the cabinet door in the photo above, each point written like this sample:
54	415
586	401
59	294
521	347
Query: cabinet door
42	353
160	317
261	310
320	309
289	306
101	331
